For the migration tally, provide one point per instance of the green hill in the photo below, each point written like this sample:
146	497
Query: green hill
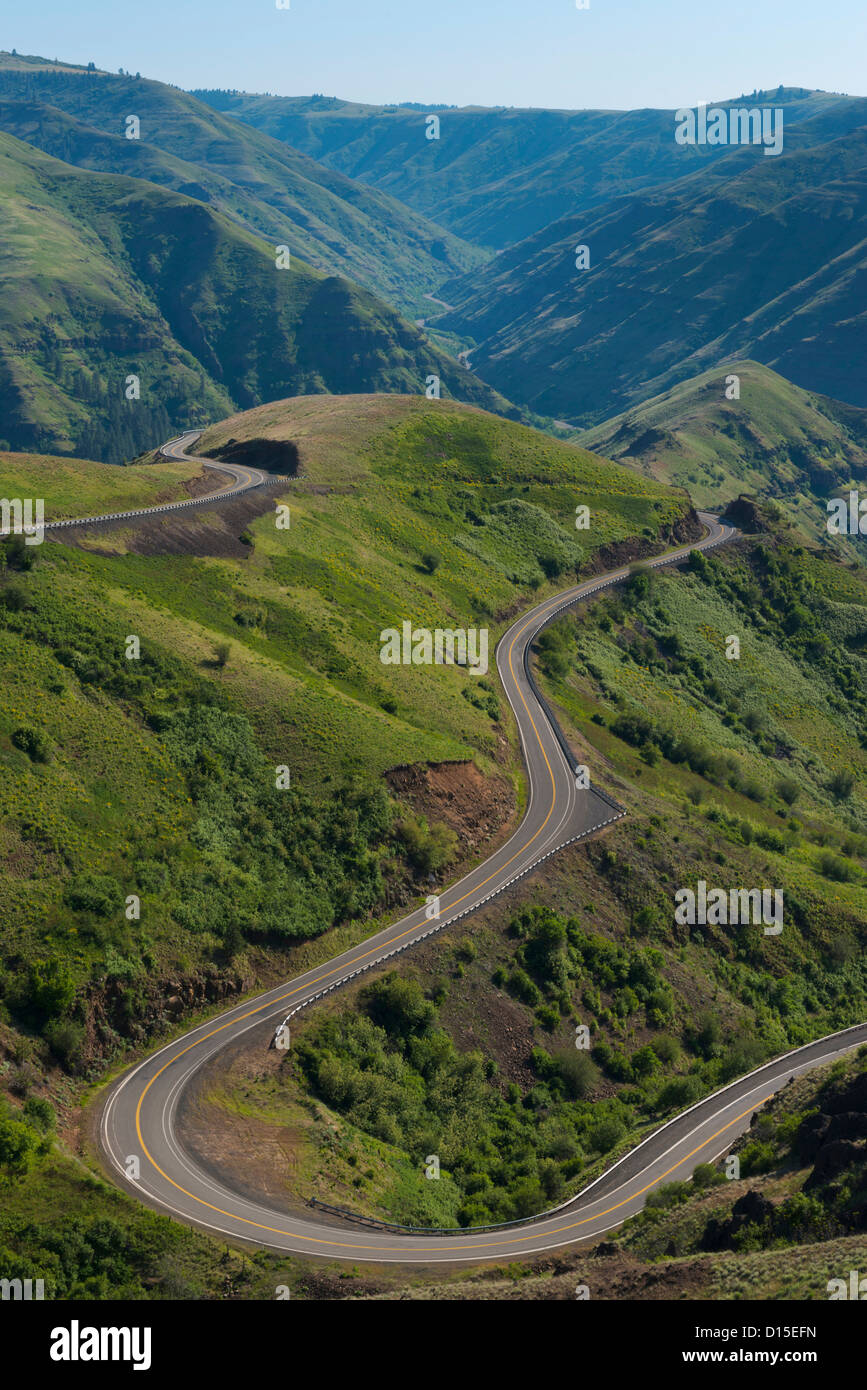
330	221
733	772
776	441
786	1229
795	1220
156	778
81	487
400	507
499	175
745	258
106	277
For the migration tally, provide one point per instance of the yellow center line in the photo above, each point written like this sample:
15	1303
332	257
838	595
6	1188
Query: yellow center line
281	998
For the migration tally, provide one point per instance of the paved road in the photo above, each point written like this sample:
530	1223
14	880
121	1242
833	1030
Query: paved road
140	1113
245	478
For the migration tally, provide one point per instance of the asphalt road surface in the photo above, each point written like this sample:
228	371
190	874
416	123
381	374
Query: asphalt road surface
140	1111
245	478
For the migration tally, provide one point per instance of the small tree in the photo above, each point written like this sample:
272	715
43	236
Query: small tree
788	790
841	785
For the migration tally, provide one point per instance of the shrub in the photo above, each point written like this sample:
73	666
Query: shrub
50	988
548	1016
33	743
788	790
679	1093
841	785
14	598
97	893
705	1035
398	1006
65	1038
524	988
757	1157
606	1134
670	1194
578	1073
40	1113
837	869
18	1143
428	848
667	1049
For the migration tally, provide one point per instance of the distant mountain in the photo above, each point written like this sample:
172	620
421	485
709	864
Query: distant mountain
776	441
496	176
762	258
335	224
107	278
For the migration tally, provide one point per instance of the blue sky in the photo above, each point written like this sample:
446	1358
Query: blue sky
619	53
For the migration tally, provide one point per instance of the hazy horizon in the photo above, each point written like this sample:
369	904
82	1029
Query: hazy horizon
617	55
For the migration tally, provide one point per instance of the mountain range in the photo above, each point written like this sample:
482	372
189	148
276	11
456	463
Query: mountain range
155	256
334	223
748	257
109	277
498	175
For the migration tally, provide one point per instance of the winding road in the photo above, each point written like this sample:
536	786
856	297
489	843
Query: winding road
140	1111
245	479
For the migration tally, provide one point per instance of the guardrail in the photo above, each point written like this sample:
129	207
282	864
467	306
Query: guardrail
380	1225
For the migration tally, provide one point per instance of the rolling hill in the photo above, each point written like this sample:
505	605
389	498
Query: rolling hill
335	224
496	176
156	779
162	768
776	441
747	771
764	260
107	277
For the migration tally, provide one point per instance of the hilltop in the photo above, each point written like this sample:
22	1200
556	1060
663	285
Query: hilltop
775	441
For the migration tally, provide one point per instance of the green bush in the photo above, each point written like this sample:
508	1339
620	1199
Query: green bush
50	988
32	742
679	1093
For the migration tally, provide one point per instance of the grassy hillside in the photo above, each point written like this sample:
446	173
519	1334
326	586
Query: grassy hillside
801	1190
499	175
331	222
731	262
789	1226
106	277
158	781
79	487
776	442
740	773
126	776
156	778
